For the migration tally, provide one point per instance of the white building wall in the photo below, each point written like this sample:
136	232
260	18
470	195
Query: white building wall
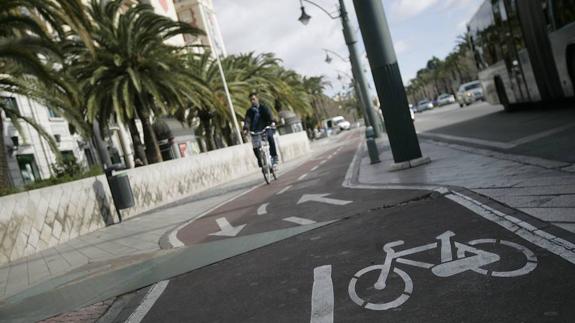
167	8
201	14
31	143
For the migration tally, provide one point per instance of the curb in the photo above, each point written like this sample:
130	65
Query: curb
537	232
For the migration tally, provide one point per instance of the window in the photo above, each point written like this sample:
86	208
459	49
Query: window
472	86
53	113
564	12
68	155
8	102
89	157
28	168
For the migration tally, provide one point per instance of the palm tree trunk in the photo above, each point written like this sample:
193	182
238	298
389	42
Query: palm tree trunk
139	150
227	133
205	121
5	182
152	147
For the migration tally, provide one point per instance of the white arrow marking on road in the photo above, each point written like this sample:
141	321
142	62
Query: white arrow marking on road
321	198
300	221
263	209
226	229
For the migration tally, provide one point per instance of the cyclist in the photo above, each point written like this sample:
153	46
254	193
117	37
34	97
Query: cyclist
257	118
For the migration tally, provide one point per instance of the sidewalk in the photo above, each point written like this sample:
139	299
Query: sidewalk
541	188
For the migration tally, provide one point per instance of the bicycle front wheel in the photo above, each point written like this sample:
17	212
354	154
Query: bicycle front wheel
529	258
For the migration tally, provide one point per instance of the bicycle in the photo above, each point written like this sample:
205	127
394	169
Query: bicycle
448	266
260	142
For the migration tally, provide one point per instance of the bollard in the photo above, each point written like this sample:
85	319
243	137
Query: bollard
372	146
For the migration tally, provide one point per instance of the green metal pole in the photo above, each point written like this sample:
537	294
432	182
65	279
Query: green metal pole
354	56
385	70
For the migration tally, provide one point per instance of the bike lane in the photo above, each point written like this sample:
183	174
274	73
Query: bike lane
310	194
330	274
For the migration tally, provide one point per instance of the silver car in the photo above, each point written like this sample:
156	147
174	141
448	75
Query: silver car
423	105
445	99
469	93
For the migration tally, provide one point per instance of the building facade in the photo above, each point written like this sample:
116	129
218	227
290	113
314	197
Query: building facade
30	157
201	14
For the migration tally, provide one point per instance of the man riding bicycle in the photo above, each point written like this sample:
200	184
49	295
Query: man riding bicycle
257	118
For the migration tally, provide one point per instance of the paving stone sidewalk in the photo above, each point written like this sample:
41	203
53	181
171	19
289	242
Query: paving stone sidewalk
541	188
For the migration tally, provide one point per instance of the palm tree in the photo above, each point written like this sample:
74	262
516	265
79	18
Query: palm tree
134	73
314	86
212	108
25	43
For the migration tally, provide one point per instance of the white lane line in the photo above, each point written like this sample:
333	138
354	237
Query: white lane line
300	221
516	226
151	297
322	297
302	176
263	209
315	168
323	162
284	190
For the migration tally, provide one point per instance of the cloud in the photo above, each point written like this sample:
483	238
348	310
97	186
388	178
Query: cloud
272	26
404	9
400	46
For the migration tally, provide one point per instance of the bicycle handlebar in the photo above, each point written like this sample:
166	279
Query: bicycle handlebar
255	133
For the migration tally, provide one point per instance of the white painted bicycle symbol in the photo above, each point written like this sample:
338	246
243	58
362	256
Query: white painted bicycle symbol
467	258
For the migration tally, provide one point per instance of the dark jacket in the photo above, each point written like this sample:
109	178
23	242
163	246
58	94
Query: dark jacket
258	118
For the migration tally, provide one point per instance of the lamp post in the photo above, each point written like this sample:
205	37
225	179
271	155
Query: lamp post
362	104
385	70
351	42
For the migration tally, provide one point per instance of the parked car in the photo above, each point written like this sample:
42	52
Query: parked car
423	105
340	122
445	99
469	93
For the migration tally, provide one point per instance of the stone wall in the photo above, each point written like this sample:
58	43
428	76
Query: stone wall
38	219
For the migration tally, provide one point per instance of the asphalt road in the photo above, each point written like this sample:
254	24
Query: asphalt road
449	265
544	132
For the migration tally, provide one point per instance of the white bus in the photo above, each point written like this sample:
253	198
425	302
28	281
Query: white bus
525	50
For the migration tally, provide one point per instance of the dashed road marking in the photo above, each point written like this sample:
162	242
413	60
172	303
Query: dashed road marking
300	221
151	297
322	298
284	190
263	209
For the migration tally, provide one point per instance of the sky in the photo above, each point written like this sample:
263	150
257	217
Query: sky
420	30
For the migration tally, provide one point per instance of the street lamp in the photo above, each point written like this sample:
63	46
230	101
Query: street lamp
304	18
369	115
328	58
